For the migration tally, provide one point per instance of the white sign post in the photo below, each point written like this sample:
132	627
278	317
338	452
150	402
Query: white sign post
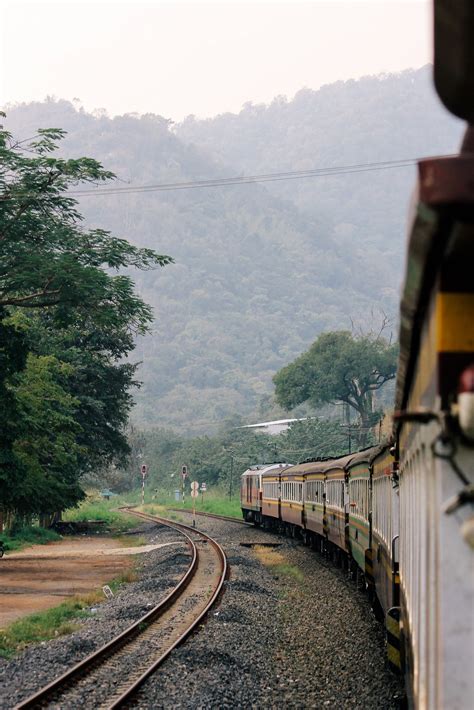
203	490
194	495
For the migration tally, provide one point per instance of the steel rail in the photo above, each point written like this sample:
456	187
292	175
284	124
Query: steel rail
215	594
79	670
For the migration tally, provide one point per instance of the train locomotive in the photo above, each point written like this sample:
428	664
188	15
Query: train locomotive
400	515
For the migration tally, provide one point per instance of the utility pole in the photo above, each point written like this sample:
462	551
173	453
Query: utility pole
231	475
184	473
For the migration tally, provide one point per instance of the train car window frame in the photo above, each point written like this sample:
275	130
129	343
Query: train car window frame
335	494
359	497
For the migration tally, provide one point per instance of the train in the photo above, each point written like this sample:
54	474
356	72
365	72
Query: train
400	515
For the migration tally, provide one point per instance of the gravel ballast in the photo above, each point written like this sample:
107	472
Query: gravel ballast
298	635
302	637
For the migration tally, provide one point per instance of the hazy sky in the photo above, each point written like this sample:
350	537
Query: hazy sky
176	58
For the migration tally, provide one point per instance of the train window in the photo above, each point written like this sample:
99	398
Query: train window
270	490
359	497
313	492
382	519
335	494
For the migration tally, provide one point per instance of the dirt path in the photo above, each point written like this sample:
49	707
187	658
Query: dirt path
43	576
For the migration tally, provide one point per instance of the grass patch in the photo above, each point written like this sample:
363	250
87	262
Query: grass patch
278	563
58	621
43	625
160	511
219	505
31	535
157	502
95	508
214	501
131	540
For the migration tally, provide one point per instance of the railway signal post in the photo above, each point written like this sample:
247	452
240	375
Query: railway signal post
144	472
184	473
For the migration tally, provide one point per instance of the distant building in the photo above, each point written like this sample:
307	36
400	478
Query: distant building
272	428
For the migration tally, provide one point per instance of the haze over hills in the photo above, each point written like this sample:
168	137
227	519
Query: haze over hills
260	269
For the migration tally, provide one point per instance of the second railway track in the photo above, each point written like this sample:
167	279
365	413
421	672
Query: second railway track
109	677
225	518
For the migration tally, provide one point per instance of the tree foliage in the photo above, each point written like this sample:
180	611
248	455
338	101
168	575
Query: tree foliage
338	367
68	316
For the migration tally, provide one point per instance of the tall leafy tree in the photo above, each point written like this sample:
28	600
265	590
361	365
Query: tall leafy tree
339	367
80	317
47	258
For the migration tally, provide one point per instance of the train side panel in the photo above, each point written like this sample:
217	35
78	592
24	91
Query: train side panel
385	526
359	507
250	495
335	515
314	494
436	456
271	501
292	499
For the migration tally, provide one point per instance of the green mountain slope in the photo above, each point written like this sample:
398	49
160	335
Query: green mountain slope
260	269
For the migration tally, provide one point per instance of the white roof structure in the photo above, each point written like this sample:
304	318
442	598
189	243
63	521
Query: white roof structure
272	428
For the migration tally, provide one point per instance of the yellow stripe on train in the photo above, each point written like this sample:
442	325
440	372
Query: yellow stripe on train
454	321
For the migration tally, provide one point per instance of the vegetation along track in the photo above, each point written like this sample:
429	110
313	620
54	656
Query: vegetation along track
110	676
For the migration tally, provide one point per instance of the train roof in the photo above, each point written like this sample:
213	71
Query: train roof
343	462
264	468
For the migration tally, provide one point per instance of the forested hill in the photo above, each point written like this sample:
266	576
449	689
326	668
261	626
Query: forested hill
373	119
260	269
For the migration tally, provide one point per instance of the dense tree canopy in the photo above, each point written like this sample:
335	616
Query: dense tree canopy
67	318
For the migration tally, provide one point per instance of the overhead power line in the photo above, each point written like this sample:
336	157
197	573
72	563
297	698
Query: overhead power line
235	180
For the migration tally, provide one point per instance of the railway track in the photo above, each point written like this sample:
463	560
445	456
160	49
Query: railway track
226	518
113	674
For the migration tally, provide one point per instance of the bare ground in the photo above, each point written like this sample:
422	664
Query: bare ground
42	576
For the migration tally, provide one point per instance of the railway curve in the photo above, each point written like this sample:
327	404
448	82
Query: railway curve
162	629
